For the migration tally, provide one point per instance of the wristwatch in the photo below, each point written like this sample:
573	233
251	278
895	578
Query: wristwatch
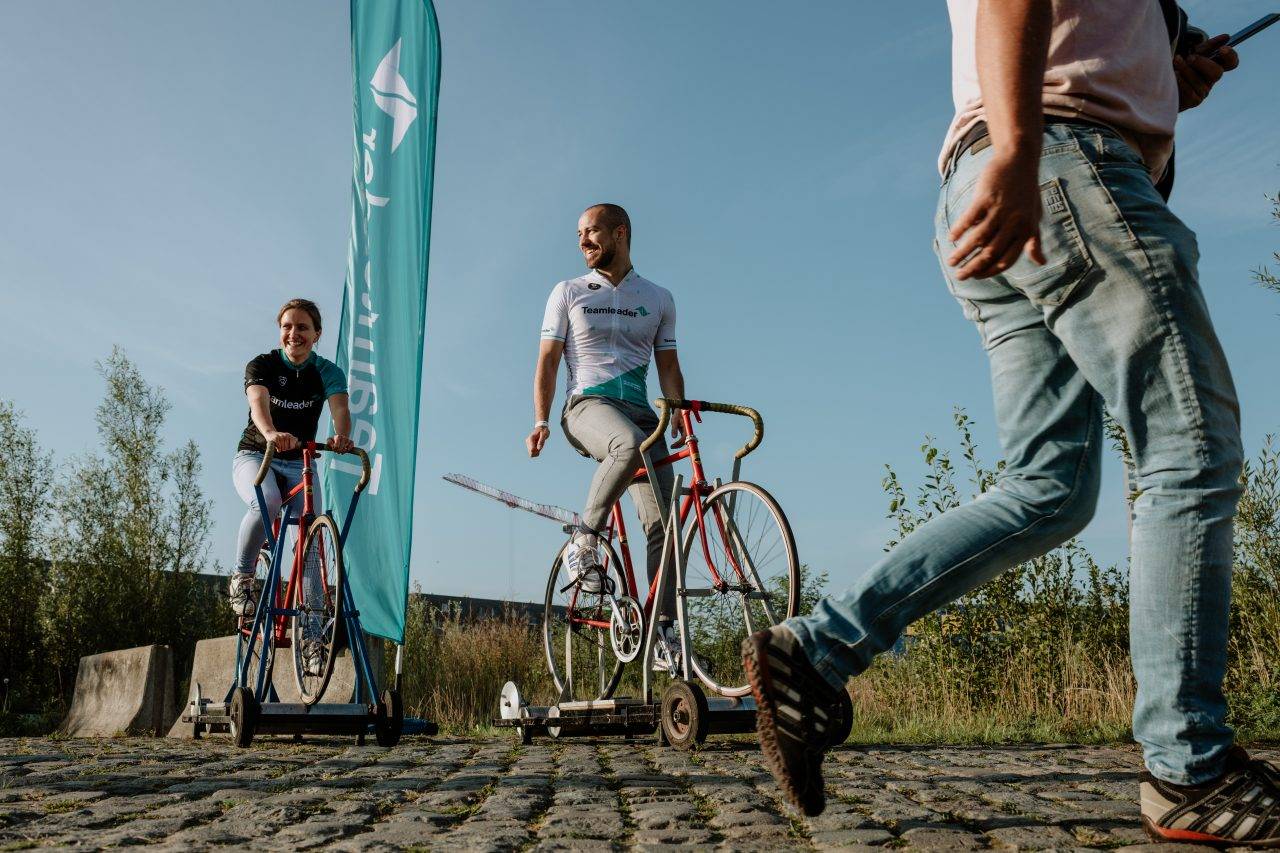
542	424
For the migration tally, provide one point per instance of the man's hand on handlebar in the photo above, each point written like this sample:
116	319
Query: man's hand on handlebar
537	440
677	432
282	440
340	444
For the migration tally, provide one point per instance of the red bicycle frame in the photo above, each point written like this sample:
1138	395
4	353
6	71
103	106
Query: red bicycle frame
698	489
288	594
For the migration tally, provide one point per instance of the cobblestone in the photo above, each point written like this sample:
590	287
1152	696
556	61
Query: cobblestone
570	795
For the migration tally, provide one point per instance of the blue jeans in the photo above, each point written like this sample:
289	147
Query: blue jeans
285	475
1115	315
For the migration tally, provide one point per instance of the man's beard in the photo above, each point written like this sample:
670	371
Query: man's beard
606	258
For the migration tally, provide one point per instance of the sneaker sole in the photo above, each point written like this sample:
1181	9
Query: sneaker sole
1186	836
758	677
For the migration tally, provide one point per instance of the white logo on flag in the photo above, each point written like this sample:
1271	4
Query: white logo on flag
391	94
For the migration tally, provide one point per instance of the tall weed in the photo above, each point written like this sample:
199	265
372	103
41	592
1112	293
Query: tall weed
1041	652
455	669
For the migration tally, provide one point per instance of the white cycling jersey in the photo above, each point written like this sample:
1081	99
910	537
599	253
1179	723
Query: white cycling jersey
610	333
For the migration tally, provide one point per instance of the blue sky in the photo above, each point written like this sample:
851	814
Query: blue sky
176	171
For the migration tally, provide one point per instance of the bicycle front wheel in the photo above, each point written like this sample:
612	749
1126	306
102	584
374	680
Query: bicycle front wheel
253	643
741	577
575	631
317	609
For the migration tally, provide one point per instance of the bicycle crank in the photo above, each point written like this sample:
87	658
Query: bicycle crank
626	628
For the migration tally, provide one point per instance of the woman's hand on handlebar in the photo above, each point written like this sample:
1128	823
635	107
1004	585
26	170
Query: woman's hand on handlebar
340	444
282	440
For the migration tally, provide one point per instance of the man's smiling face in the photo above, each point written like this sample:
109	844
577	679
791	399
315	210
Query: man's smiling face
597	241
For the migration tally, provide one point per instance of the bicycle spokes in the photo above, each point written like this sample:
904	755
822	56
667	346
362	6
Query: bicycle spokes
577	632
315	615
741	576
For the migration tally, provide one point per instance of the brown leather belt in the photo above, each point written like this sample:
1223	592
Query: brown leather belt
978	138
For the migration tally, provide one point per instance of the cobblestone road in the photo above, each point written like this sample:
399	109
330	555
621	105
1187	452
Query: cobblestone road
554	795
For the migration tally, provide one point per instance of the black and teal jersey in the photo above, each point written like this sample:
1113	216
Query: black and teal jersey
610	333
297	393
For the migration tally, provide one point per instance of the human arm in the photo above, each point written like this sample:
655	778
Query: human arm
260	412
672	383
1003	217
544	391
671	380
340	412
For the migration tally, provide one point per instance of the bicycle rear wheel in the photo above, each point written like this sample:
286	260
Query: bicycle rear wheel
317	617
745	579
575	631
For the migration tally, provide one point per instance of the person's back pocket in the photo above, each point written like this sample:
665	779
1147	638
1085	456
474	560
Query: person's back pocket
1067	261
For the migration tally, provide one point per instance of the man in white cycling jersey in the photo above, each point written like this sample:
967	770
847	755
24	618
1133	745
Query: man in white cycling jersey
608	324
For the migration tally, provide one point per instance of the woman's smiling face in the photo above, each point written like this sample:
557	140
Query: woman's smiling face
298	334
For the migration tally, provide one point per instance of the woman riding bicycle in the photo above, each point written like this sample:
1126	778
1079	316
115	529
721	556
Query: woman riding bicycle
286	389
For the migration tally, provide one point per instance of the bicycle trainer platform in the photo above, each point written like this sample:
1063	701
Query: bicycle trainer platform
251	704
682	717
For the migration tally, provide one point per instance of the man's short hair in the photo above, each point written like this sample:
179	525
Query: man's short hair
614	215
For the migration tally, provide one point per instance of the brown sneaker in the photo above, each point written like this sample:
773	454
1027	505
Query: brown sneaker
1241	808
796	713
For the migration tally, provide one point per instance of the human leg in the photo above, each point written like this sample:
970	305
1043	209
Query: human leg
600	427
244	589
1142	335
1120	295
244	468
1049	423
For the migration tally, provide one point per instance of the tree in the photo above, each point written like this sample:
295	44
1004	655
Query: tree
25	473
132	531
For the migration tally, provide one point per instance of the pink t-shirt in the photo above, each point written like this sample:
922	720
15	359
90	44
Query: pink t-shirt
1109	61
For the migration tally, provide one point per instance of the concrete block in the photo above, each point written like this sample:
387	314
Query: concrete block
129	691
214	661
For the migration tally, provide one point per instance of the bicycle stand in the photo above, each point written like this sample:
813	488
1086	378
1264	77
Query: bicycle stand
244	715
683	716
252	705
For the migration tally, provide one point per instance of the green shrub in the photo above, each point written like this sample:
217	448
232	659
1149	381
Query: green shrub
1041	652
104	553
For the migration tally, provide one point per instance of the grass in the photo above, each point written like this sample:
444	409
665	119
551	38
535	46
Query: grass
457	669
905	700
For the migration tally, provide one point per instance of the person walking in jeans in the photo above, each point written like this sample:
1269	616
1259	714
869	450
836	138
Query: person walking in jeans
1082	285
608	325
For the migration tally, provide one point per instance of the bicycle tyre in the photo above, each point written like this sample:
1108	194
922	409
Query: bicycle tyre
251	643
243	715
717	621
322	535
607	668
